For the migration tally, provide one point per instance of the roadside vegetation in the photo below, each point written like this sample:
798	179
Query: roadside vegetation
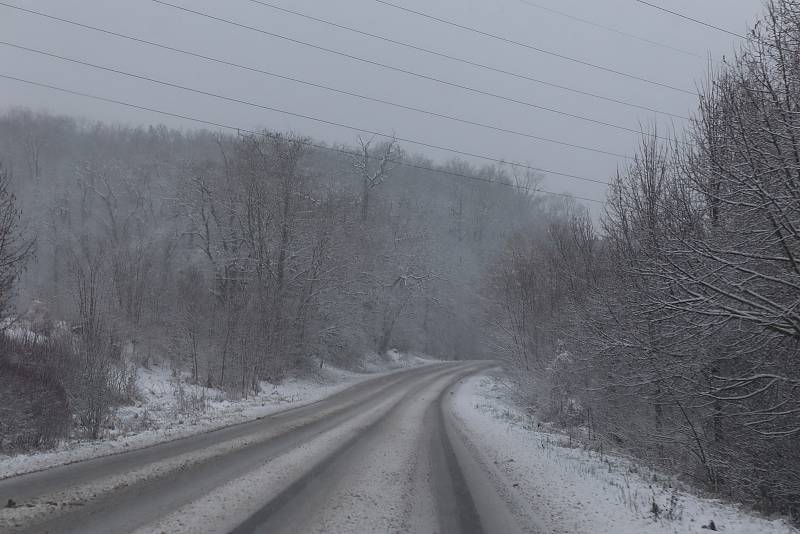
671	331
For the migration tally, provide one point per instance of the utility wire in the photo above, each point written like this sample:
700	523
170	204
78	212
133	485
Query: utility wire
360	59
300	115
462	60
465	61
610	29
358	95
307	143
530	47
692	19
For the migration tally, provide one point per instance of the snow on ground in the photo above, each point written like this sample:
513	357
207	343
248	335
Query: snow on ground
366	489
578	491
227	506
171	409
393	359
21	331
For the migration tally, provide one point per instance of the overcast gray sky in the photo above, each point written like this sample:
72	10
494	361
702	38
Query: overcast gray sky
511	18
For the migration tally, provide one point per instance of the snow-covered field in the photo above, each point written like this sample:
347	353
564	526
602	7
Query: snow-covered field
170	409
573	490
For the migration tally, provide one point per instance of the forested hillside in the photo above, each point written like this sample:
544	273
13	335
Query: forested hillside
239	259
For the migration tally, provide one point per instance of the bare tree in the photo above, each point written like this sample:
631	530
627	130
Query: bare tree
374	166
15	247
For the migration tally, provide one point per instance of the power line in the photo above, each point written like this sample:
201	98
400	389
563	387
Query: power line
462	60
692	19
531	47
351	93
307	143
610	29
375	63
300	115
465	61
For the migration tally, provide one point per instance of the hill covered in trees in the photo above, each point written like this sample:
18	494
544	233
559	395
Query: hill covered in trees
240	259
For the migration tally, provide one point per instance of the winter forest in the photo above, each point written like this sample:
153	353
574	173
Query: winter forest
241	257
667	327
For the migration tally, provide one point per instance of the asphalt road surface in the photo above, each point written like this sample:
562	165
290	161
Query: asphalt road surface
385	455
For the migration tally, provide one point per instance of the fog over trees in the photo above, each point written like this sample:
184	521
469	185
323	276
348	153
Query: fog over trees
240	258
668	329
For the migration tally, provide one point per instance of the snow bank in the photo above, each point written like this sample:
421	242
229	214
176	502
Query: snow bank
578	491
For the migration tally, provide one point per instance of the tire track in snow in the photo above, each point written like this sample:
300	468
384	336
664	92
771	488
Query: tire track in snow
310	503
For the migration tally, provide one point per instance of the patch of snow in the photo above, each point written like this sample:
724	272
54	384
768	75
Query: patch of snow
575	491
20	330
393	359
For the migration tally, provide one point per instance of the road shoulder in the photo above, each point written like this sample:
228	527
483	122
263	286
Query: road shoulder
572	490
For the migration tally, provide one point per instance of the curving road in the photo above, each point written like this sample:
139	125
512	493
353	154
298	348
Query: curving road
385	455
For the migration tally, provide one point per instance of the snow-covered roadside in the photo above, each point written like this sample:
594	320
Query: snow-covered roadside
170	409
578	491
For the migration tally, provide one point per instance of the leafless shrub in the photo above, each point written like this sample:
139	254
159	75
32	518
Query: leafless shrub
33	402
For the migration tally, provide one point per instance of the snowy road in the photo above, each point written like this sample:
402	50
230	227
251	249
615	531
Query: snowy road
385	455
